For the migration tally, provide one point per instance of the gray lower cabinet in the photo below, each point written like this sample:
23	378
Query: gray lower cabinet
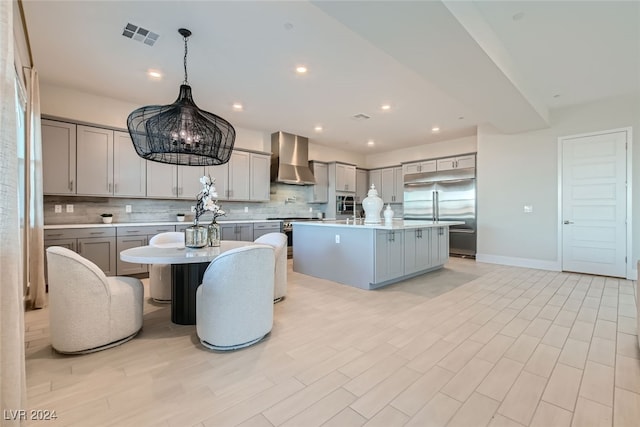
238	231
440	245
133	237
389	255
417	250
262	228
96	244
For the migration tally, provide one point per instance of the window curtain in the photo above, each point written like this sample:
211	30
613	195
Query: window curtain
12	362
35	211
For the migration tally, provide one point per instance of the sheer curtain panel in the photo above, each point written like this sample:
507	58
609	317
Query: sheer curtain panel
35	212
12	362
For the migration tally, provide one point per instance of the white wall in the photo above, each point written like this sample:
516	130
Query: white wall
451	147
519	169
74	105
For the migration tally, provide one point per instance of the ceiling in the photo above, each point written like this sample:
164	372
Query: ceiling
450	64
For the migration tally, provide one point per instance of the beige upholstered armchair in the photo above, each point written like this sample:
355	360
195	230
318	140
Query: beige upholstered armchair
234	303
89	311
160	274
279	243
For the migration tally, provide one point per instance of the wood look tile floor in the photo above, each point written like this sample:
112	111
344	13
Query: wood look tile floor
470	345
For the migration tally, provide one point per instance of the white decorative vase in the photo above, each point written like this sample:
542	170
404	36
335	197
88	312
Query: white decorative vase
388	214
372	205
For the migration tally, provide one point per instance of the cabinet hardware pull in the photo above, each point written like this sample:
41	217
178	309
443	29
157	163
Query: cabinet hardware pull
97	232
54	235
109	188
71	185
133	231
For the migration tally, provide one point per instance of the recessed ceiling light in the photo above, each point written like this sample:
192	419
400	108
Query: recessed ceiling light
237	106
435	129
154	74
371	143
386	107
318	128
301	69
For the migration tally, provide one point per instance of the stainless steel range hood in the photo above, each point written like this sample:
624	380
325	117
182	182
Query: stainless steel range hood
290	159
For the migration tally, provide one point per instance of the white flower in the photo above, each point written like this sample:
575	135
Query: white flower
207	199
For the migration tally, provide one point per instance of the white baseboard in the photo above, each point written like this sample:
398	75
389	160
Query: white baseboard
520	262
532	263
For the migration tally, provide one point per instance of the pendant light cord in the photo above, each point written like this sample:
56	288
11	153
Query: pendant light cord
186	81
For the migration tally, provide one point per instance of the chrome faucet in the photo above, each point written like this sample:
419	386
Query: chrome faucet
355	211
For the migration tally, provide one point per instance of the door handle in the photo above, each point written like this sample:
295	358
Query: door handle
568	222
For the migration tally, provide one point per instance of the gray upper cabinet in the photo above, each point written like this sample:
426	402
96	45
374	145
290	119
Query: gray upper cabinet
221	175
129	169
460	162
417	167
239	183
389	183
172	181
189	181
259	174
345	178
162	180
320	192
95	161
362	188
59	157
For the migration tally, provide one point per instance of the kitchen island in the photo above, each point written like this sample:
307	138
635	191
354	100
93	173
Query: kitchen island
369	256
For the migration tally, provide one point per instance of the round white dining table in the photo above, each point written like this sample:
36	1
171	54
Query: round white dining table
187	268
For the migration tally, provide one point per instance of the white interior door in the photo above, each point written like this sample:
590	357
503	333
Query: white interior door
594	204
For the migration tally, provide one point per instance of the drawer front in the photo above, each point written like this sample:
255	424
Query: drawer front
144	230
79	233
266	226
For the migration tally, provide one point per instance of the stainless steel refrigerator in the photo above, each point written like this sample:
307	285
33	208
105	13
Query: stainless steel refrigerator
445	196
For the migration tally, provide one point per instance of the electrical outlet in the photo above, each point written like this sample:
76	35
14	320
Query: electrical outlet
57	208
337	238
246	209
193	208
311	209
127	208
69	208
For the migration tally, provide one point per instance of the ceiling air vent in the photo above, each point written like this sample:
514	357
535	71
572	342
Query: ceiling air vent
361	116
141	34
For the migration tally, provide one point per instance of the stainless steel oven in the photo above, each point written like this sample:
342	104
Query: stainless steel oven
287	228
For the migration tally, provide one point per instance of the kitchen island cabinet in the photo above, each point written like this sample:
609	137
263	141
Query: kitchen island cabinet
369	256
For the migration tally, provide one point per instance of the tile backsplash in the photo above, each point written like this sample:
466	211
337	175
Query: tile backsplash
286	201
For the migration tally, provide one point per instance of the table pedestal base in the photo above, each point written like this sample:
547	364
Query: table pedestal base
185	279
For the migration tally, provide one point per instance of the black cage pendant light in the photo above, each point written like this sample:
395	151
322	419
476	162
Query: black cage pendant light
181	133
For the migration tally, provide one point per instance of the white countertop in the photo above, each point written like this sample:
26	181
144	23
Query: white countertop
396	224
143	224
178	254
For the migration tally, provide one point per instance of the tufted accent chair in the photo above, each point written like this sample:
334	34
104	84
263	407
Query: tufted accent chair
89	311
